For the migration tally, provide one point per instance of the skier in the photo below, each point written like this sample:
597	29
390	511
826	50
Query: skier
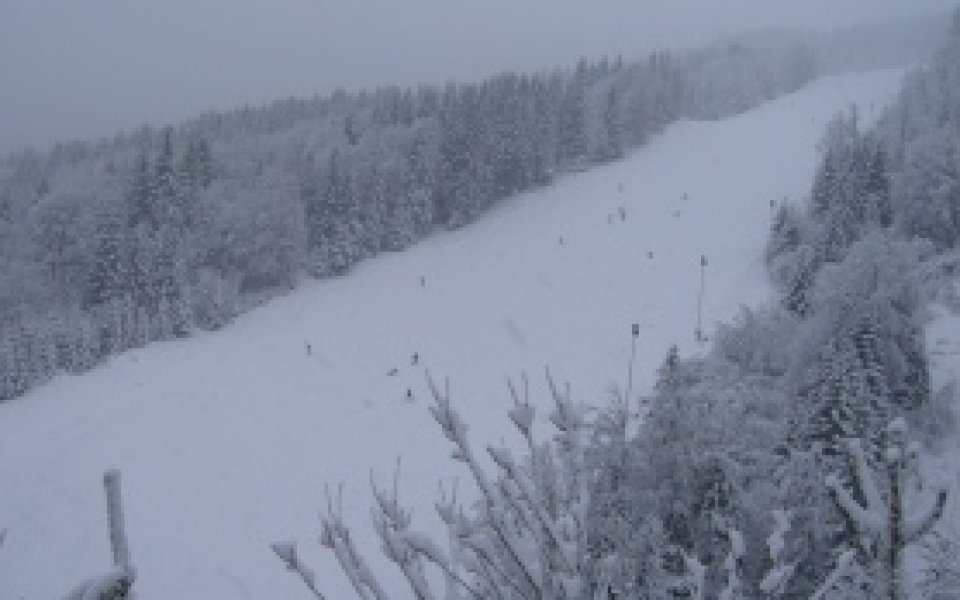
309	348
415	359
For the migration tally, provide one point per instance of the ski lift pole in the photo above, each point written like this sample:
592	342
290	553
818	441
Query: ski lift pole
698	332
635	333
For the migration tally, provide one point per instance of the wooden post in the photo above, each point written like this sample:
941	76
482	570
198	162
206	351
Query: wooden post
118	535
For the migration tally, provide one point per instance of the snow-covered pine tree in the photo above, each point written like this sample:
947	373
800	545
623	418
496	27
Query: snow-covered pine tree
882	518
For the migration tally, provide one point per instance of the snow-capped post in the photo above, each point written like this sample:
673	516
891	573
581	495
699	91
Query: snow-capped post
118	535
116	584
698	332
887	526
634	334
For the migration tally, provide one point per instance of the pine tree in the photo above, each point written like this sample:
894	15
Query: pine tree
611	137
571	125
338	217
141	207
165	181
196	165
877	189
825	185
110	276
785	233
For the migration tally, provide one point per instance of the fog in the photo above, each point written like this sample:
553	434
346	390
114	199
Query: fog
81	68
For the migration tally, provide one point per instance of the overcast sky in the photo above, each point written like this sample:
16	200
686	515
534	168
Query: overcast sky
81	68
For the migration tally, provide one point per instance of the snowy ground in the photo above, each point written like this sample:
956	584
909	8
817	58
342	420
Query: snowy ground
226	440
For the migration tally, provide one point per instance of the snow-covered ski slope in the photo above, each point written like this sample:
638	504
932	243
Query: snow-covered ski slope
226	440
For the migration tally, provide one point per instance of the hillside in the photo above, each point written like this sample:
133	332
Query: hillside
226	440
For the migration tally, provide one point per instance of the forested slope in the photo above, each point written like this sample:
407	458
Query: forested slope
150	235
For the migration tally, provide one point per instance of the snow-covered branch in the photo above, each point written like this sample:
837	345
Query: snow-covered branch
287	552
844	561
335	535
923	521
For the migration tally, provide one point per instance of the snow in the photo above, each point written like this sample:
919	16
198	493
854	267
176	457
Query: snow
227	440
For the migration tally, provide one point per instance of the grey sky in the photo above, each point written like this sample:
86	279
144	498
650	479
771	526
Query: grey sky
72	68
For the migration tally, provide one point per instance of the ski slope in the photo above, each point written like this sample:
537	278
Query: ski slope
226	440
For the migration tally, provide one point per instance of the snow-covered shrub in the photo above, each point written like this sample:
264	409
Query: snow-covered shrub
705	463
760	341
861	356
928	188
551	522
706	500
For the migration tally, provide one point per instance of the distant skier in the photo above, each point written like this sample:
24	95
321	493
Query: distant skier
415	359
423	281
561	240
623	214
392	372
309	348
409	395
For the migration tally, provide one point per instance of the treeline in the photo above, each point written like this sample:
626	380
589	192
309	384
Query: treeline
147	236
